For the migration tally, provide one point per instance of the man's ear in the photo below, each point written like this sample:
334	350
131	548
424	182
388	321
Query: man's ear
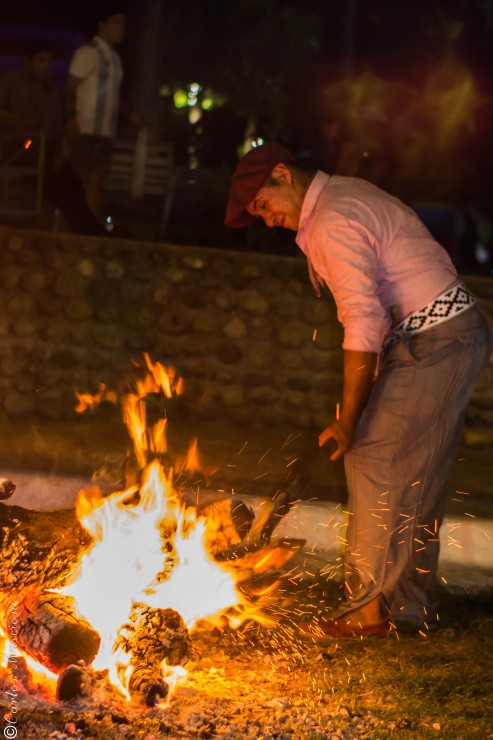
281	173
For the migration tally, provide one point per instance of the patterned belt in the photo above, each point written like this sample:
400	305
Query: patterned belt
444	307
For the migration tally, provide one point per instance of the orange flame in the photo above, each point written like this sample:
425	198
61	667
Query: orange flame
148	547
87	400
128	564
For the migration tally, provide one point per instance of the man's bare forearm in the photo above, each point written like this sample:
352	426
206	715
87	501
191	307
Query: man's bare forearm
359	371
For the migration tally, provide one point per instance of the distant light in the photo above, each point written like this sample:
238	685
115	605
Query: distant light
257	142
194	114
193	94
180	99
27	143
481	253
207	103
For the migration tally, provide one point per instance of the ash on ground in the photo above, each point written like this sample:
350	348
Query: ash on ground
265	682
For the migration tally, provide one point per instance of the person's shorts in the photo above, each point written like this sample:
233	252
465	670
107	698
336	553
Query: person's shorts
90	154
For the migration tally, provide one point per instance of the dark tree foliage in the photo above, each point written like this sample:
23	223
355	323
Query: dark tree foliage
255	52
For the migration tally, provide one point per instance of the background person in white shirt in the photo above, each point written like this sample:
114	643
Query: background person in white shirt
93	104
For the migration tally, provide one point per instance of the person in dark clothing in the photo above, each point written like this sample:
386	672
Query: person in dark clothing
30	110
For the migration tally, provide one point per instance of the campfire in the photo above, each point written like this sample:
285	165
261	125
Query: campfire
104	598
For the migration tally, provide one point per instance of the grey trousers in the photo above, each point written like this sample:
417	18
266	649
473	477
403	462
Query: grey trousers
398	467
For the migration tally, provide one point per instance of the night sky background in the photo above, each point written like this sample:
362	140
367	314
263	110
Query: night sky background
399	38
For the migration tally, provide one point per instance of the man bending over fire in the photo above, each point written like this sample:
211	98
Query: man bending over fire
398	431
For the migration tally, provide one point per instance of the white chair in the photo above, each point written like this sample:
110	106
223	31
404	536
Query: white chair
139	169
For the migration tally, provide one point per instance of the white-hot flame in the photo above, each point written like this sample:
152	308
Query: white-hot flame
151	552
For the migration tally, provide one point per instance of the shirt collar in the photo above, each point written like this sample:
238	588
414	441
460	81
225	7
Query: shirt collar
309	202
102	42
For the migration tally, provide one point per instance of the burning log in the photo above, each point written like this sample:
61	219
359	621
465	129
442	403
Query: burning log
153	636
39	548
147	686
7	488
48	627
42	548
39	552
74	681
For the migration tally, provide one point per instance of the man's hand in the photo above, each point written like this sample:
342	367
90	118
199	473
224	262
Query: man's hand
342	433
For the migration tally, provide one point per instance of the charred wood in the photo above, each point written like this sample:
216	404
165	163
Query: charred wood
39	548
48	627
42	548
152	636
7	489
72	683
147	686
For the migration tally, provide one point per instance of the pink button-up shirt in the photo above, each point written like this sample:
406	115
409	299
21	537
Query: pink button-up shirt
373	253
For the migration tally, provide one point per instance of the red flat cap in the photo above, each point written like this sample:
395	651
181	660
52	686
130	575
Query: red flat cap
247	179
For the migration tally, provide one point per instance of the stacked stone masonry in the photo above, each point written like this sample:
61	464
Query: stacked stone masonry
252	342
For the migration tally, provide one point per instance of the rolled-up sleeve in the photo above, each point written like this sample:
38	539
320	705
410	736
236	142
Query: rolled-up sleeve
345	255
83	62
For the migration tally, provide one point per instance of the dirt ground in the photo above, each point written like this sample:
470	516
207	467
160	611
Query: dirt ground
269	683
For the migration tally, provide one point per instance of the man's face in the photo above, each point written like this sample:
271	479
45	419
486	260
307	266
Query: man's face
39	64
112	30
278	204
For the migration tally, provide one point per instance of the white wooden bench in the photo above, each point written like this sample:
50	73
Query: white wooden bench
140	168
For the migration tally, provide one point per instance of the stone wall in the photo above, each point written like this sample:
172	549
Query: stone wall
252	342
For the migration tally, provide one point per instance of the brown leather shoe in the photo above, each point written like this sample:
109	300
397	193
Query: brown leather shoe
338	628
